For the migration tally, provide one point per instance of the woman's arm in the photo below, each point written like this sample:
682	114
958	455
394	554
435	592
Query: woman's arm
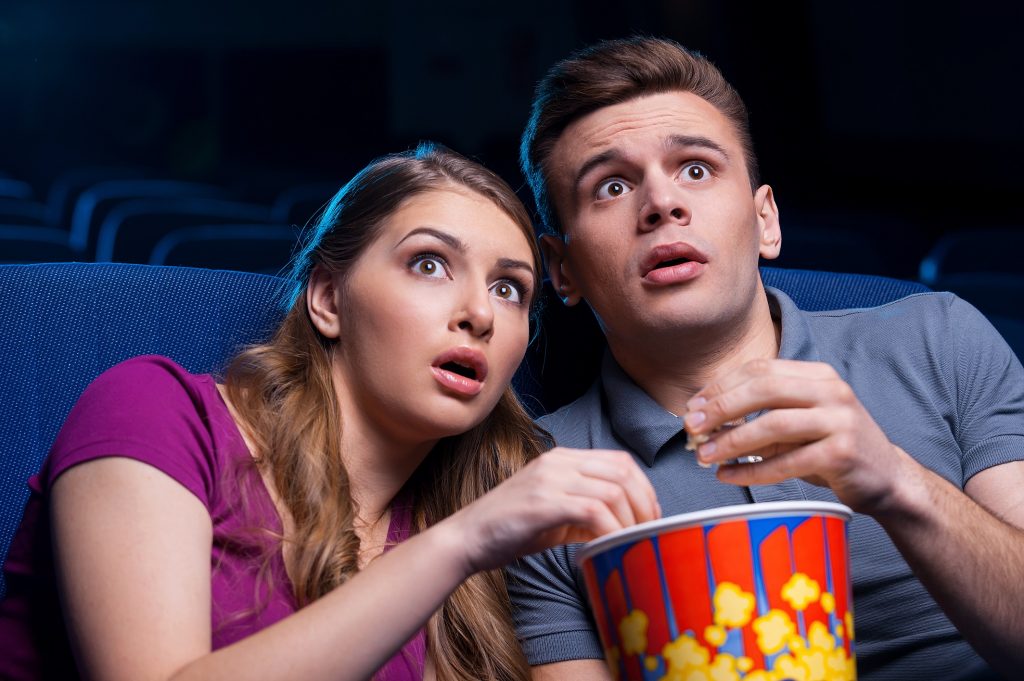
133	556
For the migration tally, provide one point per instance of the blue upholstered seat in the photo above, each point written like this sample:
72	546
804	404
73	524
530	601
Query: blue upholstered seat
63	324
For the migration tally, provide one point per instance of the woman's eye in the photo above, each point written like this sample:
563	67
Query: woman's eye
610	189
696	172
429	266
507	291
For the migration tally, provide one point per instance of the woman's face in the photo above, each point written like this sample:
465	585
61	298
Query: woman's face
433	318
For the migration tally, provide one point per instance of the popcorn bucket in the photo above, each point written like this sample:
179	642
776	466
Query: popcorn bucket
758	592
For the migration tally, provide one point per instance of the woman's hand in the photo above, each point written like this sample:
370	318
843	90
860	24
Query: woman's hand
562	496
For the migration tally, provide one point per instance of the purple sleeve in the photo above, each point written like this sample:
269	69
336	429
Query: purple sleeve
148	409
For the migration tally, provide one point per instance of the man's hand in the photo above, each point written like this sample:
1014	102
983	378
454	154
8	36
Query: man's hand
816	429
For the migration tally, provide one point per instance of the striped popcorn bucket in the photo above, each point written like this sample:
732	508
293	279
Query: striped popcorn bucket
758	592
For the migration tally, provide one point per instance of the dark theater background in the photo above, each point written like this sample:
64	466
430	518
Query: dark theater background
891	132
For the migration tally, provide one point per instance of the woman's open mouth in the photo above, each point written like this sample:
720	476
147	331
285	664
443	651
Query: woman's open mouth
461	370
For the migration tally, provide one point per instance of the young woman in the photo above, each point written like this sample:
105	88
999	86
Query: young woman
324	512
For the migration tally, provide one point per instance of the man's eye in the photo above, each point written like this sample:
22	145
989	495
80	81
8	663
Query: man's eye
610	189
507	291
428	265
696	172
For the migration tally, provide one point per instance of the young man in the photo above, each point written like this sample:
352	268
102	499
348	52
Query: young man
641	163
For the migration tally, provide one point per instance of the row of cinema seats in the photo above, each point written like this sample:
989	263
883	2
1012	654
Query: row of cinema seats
130	215
125	215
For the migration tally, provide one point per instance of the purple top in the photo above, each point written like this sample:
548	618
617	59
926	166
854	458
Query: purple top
152	410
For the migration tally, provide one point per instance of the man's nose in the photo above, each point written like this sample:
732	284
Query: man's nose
665	202
475	313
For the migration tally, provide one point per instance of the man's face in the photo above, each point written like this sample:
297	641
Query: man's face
662	233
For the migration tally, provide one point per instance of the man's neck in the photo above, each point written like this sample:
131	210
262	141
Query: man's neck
672	369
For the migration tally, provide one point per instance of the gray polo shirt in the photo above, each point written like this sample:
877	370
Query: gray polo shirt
935	376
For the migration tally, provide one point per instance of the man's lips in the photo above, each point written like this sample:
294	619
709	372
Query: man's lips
461	370
672	264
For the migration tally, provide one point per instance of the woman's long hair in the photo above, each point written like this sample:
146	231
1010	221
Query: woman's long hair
283	393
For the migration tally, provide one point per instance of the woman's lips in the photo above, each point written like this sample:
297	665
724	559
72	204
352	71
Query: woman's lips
451	367
456	382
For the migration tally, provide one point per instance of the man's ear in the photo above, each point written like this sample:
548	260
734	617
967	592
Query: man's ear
769	229
553	249
322	302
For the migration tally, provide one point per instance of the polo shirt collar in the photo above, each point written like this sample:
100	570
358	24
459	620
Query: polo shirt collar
797	341
645	426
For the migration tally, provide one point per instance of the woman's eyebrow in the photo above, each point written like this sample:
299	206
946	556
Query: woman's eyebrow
457	244
511	263
442	236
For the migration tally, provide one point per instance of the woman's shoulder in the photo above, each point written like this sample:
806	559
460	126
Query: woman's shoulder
151	409
146	368
142	391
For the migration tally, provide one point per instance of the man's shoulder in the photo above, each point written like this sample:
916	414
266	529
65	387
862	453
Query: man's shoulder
923	337
915	319
915	307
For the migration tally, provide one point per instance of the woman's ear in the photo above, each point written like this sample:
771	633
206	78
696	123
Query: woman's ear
553	249
768	225
323	302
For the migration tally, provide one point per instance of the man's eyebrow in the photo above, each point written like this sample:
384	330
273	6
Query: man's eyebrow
696	141
671	141
444	237
593	162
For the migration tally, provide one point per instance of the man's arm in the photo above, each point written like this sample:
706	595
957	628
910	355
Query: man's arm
967	549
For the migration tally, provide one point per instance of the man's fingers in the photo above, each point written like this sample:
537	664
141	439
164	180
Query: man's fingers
802	462
770	434
762	368
763	392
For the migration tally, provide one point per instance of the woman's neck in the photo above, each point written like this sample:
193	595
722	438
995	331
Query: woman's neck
378	457
377	470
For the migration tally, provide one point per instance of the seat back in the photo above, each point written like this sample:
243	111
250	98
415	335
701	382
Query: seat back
64	324
813	290
96	202
299	205
34	243
132	229
250	248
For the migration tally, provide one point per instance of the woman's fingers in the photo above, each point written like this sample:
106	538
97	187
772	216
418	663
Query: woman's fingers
629	484
562	496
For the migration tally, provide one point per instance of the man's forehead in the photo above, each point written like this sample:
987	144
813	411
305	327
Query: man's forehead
659	118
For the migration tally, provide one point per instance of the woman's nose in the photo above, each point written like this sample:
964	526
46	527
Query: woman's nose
475	314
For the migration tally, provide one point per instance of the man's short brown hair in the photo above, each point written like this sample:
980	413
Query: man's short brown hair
611	72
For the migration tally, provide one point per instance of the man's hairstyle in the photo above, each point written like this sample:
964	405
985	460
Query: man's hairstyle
611	72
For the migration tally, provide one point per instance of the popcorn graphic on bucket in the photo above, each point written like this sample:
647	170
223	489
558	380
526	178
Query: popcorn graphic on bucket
758	592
